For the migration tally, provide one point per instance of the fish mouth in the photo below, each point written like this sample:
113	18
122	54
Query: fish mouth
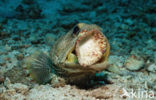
89	48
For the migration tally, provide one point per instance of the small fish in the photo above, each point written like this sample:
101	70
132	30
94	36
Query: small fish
76	56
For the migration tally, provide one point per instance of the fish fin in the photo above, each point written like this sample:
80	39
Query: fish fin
40	67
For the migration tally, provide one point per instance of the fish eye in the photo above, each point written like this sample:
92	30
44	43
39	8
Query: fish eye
76	29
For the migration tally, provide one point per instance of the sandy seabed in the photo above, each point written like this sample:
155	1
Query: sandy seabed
27	26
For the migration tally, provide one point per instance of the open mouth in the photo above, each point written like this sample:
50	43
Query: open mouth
89	48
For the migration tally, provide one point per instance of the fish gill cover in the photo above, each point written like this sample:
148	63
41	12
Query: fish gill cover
33	65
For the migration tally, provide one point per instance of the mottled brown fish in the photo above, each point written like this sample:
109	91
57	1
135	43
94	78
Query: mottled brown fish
75	57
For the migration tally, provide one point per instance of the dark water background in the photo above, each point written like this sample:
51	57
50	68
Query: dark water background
129	24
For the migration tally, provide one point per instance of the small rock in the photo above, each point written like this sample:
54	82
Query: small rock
7	48
124	26
1	79
34	39
6	58
20	88
134	63
19	56
117	70
129	21
114	69
7	82
152	68
116	64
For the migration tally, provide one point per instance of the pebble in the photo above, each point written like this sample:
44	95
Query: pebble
129	21
20	88
124	26
152	68
1	79
114	69
7	48
19	56
34	39
7	82
133	63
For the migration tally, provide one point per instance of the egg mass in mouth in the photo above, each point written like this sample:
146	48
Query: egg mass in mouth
89	48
